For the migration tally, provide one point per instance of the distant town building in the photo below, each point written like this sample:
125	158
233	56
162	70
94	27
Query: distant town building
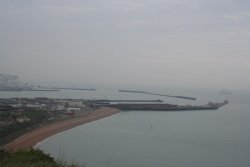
72	111
76	104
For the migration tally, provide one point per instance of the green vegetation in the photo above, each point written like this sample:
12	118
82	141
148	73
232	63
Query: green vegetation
29	158
12	131
35	117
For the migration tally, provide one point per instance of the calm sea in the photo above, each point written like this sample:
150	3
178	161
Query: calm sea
219	138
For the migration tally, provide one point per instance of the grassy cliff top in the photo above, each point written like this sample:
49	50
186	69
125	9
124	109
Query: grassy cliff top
29	158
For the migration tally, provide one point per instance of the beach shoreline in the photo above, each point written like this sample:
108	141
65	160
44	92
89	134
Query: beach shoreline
34	137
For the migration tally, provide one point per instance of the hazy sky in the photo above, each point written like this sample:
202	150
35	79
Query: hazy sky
184	43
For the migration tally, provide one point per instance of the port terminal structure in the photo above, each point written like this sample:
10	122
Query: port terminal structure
159	106
153	105
106	101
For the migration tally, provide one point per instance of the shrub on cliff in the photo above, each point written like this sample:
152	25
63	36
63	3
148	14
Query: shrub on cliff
28	158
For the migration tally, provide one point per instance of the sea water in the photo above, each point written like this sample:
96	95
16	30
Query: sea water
156	138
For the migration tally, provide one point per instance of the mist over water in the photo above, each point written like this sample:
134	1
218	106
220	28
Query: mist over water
153	138
156	46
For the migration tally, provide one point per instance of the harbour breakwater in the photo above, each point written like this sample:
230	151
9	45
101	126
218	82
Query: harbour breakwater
158	94
163	106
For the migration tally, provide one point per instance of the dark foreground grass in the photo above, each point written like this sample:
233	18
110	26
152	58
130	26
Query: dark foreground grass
29	158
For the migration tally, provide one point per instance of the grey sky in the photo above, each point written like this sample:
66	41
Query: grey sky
189	43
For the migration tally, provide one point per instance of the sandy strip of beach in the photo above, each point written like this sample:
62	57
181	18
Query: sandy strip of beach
30	139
